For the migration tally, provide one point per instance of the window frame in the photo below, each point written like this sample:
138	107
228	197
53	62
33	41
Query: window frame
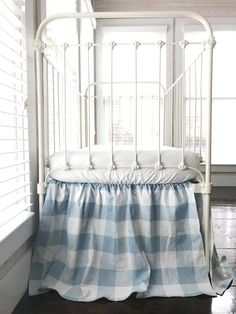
218	24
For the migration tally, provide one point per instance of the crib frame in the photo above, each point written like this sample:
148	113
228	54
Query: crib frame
204	187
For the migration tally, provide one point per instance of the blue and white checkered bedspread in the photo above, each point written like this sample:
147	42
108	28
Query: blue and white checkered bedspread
98	240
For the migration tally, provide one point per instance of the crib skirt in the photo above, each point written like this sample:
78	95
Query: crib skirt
104	240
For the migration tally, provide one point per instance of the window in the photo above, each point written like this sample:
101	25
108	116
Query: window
14	155
224	95
60	33
86	67
123	68
71	32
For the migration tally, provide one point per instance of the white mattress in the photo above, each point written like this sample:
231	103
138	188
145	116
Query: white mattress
124	174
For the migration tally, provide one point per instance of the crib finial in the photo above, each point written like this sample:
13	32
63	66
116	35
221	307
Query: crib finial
89	45
39	45
161	43
90	166
137	44
67	166
135	166
112	166
182	166
183	43
113	44
159	166
210	43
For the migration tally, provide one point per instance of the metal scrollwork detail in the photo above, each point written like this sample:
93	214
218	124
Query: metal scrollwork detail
211	42
39	46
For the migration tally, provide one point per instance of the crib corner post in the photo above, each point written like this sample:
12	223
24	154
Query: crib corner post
207	229
38	46
41	190
207	205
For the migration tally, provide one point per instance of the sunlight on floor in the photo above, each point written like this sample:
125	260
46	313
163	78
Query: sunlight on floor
224	304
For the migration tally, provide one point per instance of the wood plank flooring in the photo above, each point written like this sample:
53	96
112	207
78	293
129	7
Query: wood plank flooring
224	223
224	226
52	304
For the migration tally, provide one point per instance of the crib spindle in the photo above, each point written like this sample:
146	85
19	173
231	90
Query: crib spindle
65	100
200	92
46	110
159	164
58	111
54	109
112	165
135	164
183	45
189	109
195	106
88	106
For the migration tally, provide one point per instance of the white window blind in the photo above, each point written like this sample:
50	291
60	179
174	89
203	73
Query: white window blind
14	155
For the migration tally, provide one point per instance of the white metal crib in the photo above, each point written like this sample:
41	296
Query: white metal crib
190	106
171	95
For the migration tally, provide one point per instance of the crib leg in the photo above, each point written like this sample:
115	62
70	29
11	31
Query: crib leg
207	229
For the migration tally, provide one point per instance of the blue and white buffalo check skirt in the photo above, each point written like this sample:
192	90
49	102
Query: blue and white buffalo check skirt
110	240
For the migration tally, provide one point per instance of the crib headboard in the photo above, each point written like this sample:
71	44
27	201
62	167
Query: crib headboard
186	91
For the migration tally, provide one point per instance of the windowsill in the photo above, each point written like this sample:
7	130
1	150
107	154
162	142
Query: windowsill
15	233
220	168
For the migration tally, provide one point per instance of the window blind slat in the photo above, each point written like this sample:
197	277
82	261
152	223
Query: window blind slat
14	200
13	127
5	217
10	65
17	46
6	75
10	15
6	20
17	163
15	89
14	188
11	90
14	152
15	9
20	42
15	176
13	55
14	114
12	103
11	29
13	139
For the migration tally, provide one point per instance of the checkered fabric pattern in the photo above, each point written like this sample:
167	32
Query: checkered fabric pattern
103	240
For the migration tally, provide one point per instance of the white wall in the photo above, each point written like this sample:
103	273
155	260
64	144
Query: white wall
14	284
206	8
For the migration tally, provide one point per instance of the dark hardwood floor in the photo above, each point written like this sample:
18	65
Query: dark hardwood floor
224	223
